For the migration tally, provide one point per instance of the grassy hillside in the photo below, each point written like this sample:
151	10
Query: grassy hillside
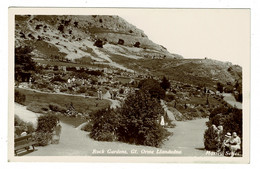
65	40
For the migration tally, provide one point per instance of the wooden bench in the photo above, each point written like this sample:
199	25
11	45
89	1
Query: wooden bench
23	142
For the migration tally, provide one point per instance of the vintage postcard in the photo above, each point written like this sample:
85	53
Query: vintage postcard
129	85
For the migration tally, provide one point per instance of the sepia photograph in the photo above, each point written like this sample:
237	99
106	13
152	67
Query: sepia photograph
154	84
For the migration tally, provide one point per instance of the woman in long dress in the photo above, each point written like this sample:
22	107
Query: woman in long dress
56	134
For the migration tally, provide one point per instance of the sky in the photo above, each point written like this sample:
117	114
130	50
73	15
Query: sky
220	34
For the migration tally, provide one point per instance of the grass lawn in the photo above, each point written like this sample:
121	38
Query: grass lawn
82	105
203	100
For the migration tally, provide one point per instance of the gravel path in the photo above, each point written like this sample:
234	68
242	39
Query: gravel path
188	137
187	140
230	99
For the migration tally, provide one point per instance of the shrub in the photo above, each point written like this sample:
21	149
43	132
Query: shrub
209	139
82	89
21	126
61	28
46	123
120	42
51	88
140	113
153	87
229	118
220	87
105	125
88	127
42	85
63	89
228	89
57	108
165	84
42	138
137	44
38	107
76	24
58	78
121	91
19	97
135	122
99	43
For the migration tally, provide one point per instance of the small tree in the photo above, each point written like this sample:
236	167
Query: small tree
220	87
137	44
165	84
121	42
24	63
99	43
153	87
61	28
139	124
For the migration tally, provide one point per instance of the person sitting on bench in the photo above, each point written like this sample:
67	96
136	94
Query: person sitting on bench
235	142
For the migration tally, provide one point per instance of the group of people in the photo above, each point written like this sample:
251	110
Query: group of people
227	143
100	96
231	143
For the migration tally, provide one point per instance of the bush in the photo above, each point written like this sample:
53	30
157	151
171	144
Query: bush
99	43
229	118
61	28
121	91
105	125
135	122
120	42
57	108
42	85
82	89
228	89
63	90
137	44
58	78
153	87
19	97
88	127
46	123
209	139
21	126
51	88
165	84
220	87
140	113
42	138
38	107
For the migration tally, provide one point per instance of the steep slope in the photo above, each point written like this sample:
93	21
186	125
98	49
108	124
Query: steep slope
113	42
74	35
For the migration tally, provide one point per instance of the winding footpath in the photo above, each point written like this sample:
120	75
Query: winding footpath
188	137
75	142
